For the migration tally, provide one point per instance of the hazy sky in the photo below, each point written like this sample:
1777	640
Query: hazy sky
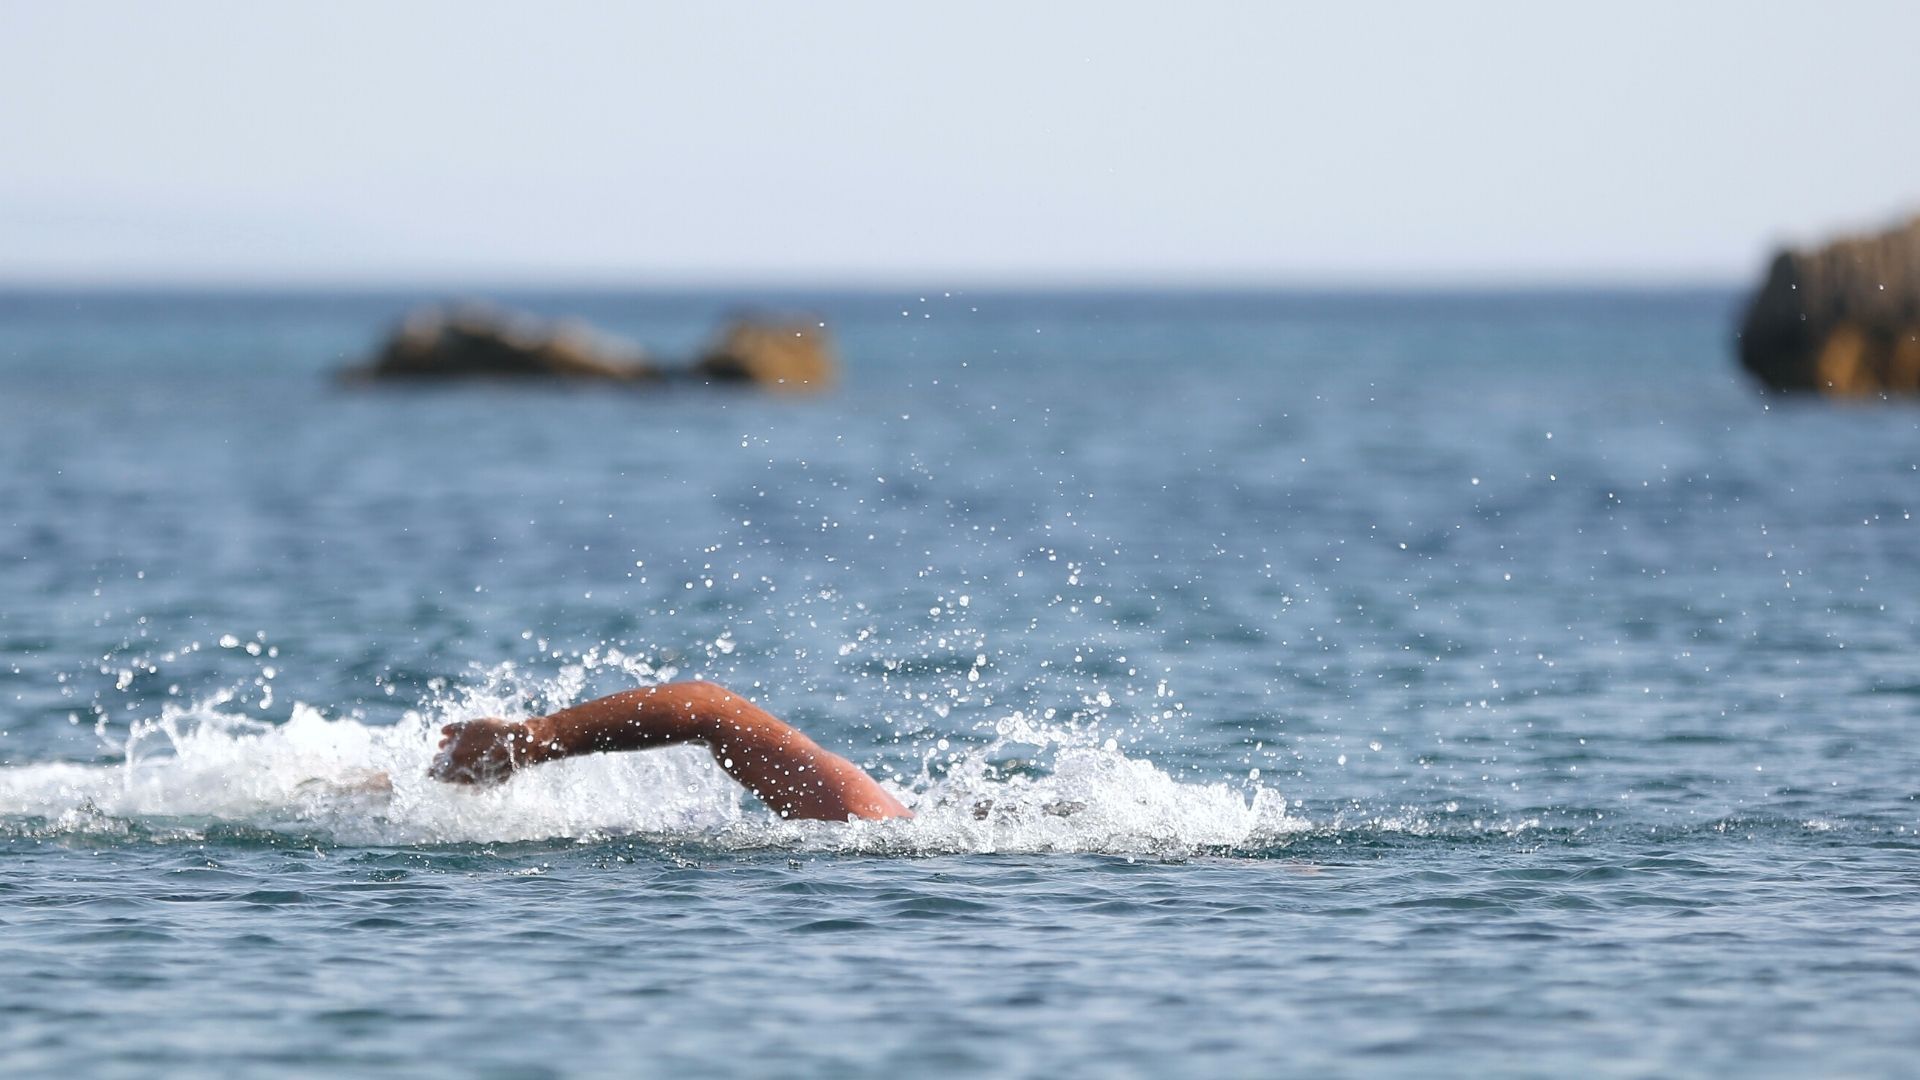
962	142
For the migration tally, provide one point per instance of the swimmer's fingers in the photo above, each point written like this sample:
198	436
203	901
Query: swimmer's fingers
449	732
474	752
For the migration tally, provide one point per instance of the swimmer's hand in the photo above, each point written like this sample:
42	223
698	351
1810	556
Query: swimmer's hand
481	752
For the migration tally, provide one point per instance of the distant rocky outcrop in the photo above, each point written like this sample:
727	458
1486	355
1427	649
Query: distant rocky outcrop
434	344
787	356
483	342
1841	320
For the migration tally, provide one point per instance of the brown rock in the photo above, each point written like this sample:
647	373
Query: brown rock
791	356
1842	320
482	342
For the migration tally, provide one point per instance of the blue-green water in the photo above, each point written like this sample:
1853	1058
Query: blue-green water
1314	684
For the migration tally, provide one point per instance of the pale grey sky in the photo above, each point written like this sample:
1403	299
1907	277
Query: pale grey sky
965	142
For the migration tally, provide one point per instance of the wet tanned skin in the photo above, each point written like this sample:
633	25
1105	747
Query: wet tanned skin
788	771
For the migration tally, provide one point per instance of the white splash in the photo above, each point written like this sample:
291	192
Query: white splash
354	783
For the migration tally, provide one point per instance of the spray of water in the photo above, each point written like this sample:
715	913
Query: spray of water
1035	787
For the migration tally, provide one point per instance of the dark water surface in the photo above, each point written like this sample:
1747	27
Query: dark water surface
1319	684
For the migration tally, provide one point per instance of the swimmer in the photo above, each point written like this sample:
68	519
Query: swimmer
791	773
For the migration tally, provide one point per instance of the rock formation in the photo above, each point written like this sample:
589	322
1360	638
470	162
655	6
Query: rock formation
787	356
480	342
1843	320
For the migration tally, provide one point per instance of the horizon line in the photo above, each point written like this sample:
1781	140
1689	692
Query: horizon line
865	284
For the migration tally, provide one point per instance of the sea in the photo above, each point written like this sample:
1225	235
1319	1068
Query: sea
1286	683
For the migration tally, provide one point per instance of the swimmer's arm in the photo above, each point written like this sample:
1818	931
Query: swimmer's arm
630	720
788	771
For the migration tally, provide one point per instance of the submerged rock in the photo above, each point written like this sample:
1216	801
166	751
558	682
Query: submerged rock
479	342
1842	320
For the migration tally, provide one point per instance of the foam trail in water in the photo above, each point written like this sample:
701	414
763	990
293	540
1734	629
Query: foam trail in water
354	783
